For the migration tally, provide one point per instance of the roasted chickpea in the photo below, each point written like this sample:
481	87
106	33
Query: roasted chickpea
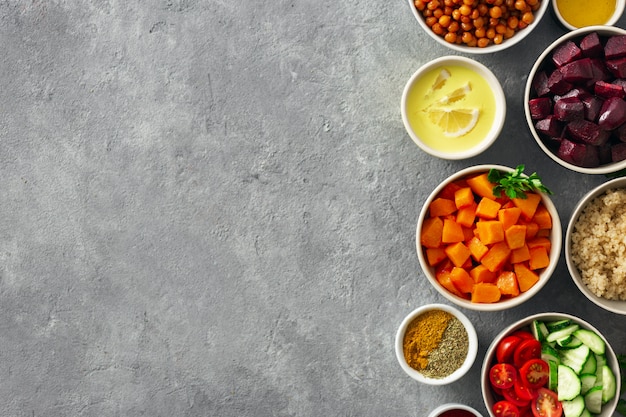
482	42
495	12
498	39
445	21
450	37
520	5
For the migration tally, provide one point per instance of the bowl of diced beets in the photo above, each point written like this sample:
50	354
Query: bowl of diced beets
550	364
575	100
486	252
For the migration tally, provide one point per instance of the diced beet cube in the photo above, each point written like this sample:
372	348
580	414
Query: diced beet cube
600	71
618	152
579	154
615	47
604	152
566	53
617	67
587	132
550	126
592	104
612	113
577	71
556	83
591	46
540	107
620	133
569	108
606	90
540	84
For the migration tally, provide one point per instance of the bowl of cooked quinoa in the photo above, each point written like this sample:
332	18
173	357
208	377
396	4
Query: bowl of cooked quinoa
595	245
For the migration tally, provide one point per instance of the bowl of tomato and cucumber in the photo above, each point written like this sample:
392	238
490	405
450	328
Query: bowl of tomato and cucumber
550	365
489	237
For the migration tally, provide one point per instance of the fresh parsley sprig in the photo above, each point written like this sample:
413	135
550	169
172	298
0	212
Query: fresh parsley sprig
515	184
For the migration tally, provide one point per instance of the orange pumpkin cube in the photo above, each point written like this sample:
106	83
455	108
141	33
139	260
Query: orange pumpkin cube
507	283
485	292
481	185
542	217
480	273
462	279
509	216
528	205
465	216
458	253
435	255
477	248
464	197
487	208
496	257
490	231
515	236
526	278
520	255
432	229
441	207
538	258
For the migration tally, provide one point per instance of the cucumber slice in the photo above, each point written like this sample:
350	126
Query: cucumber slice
548	353
553	326
555	336
569	385
539	330
575	358
570	342
587	381
590	365
593	400
609	386
586	413
591	339
600	362
553	376
574	407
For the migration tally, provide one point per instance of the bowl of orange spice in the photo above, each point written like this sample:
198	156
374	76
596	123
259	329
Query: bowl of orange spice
478	26
489	237
436	344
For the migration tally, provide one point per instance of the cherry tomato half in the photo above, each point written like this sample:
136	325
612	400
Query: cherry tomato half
527	349
523	334
546	404
511	396
506	348
522	391
535	373
505	409
502	375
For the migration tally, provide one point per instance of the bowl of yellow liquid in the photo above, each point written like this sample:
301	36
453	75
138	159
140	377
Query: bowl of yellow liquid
575	14
453	107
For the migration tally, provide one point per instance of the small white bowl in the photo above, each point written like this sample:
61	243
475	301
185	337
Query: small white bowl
453	406
492	83
617	13
555	250
542	62
615	306
516	38
490	358
471	351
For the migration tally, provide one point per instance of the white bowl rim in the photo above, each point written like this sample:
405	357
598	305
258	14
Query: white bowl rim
499	97
453	406
617	13
520	35
471	351
610	353
602	169
614	306
555	250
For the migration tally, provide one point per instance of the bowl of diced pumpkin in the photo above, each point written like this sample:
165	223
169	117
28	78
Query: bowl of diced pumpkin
489	237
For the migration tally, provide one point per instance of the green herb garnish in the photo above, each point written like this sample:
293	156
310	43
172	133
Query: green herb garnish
515	184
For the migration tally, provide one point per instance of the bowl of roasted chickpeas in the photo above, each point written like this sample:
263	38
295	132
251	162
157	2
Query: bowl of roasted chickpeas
478	26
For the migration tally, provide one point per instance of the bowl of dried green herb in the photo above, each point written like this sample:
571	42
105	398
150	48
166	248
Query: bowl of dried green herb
436	344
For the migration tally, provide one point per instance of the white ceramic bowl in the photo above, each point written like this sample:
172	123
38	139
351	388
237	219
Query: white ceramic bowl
617	13
615	306
453	406
490	358
499	109
471	352
544	61
516	38
555	251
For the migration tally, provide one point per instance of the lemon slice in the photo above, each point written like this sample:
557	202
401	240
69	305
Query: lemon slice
456	95
454	122
440	81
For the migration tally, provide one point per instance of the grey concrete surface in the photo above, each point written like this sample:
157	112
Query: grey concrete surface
208	208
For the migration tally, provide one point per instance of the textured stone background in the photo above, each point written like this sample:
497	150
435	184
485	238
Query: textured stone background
208	208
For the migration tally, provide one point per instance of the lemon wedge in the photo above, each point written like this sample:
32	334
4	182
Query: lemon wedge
454	122
455	95
440	81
